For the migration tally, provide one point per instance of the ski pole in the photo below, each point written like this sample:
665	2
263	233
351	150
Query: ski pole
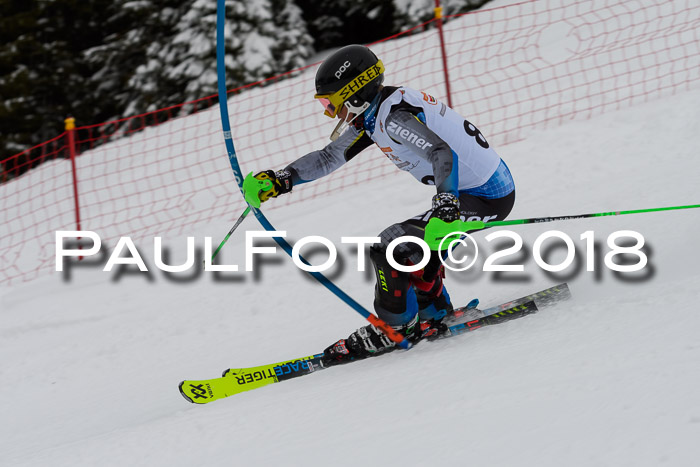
437	230
535	220
235	226
391	333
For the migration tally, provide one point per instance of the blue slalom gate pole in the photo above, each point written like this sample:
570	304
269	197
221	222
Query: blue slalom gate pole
233	159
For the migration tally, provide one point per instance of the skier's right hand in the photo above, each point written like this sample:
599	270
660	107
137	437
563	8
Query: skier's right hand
445	207
264	185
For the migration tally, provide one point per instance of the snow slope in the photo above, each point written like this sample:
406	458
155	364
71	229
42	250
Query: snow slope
91	366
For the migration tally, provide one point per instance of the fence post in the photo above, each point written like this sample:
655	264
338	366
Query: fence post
438	17
70	130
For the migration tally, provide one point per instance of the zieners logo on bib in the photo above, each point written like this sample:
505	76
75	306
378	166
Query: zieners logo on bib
408	135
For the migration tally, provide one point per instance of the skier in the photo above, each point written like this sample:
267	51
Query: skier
423	136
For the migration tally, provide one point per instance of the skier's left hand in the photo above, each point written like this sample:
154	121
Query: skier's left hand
445	207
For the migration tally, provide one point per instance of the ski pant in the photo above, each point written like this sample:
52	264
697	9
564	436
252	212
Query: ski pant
397	293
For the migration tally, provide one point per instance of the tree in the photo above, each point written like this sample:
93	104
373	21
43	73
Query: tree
99	60
41	80
335	23
172	53
413	12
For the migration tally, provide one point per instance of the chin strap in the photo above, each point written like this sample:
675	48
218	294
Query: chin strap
353	113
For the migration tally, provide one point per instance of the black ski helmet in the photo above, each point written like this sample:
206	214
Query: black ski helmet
352	74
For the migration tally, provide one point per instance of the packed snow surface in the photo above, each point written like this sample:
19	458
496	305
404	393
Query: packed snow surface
91	365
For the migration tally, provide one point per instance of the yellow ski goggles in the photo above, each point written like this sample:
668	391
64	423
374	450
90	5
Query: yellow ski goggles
333	102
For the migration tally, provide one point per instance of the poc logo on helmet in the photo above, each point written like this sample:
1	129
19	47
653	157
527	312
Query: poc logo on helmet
342	69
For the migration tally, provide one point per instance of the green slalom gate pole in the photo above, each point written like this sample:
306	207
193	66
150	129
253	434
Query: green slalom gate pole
438	231
391	333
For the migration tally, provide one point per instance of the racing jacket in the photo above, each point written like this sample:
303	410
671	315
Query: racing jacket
421	136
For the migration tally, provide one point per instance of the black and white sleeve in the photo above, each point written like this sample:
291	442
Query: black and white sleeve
317	164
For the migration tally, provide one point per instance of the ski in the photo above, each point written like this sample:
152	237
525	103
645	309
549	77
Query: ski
235	381
461	321
543	298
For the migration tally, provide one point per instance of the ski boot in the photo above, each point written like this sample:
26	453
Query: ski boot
432	312
434	304
368	341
